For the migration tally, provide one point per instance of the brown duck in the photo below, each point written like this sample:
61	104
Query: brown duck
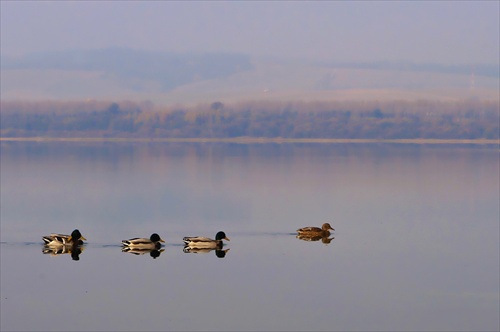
324	231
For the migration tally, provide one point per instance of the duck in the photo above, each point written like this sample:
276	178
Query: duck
324	231
57	240
144	243
205	242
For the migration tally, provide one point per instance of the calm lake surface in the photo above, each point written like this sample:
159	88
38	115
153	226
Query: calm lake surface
416	241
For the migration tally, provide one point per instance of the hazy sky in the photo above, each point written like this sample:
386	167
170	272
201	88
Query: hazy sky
446	32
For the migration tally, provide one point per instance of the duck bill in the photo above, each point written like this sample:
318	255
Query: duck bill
82	238
161	240
227	239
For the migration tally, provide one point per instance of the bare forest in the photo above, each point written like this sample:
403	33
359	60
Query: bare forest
466	119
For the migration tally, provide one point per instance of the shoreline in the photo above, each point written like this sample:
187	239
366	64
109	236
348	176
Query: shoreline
252	140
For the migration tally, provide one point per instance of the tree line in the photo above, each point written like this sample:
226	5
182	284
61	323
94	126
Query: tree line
466	119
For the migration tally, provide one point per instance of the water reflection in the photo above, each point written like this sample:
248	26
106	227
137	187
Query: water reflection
152	252
73	250
324	239
420	222
218	252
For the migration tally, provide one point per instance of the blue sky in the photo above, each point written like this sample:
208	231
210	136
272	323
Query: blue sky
443	32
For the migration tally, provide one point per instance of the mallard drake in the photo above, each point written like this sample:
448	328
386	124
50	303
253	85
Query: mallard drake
56	240
316	231
143	243
205	242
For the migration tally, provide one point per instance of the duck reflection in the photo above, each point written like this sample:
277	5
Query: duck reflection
324	239
152	252
218	252
73	250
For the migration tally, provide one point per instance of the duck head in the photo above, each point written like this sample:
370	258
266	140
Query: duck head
221	236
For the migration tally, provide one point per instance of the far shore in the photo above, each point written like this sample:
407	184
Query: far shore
250	140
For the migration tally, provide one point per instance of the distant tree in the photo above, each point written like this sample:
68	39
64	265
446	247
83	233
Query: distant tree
114	108
377	113
399	119
216	106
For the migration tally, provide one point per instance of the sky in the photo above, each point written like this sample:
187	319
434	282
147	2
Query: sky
442	32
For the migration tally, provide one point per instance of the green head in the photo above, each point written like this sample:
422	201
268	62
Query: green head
221	236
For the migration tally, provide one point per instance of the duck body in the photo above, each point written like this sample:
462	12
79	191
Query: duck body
154	242
200	242
324	231
57	240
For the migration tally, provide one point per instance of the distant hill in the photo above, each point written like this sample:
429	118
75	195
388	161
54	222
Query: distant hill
116	74
168	69
478	70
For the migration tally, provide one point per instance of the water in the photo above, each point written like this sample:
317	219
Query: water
416	241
